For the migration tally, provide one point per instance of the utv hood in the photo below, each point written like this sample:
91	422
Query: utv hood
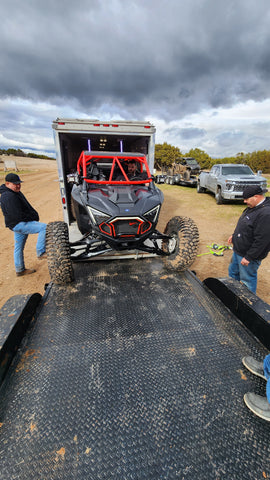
119	200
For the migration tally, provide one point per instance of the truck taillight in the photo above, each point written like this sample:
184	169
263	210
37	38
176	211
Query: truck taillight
63	200
147	126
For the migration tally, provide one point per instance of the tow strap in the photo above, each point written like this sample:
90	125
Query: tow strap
215	249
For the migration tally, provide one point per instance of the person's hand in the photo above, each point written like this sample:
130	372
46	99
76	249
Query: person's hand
244	262
230	239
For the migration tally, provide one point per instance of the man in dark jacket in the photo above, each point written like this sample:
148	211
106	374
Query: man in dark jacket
22	219
251	238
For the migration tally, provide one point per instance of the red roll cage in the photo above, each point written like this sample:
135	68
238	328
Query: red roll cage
117	161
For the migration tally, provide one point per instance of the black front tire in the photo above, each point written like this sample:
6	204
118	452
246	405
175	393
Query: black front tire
58	253
183	246
199	188
218	196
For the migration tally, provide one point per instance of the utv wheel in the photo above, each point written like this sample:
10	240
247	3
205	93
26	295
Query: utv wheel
186	175
58	253
183	246
218	196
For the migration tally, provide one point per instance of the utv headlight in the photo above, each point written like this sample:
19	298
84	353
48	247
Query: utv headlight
152	215
97	216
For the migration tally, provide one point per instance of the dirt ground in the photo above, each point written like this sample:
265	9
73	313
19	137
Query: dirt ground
215	223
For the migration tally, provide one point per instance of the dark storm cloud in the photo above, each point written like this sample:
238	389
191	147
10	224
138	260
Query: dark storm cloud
167	59
187	133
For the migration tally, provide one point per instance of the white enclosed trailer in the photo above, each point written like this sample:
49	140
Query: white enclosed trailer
71	136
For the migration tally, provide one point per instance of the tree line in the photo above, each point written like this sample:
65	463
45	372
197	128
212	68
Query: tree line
17	152
166	155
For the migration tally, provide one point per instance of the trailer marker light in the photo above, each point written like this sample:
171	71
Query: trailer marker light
115	125
61	123
63	200
106	124
96	124
147	126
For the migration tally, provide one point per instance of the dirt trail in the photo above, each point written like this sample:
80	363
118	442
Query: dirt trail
41	188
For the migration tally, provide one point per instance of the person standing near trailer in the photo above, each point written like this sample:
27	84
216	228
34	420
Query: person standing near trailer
251	238
22	219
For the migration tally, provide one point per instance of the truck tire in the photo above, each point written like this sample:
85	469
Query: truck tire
58	253
218	196
183	247
199	188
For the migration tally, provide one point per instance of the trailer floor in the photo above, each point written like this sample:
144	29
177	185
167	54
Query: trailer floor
132	373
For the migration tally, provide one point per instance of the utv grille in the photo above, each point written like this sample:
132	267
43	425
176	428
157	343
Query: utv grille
125	227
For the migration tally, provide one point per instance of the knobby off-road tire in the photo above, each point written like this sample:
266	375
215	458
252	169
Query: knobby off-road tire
183	247
58	253
186	175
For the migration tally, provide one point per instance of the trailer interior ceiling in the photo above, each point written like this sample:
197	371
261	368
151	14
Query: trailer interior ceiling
72	144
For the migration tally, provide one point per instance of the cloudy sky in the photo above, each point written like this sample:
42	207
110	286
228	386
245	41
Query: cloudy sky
197	69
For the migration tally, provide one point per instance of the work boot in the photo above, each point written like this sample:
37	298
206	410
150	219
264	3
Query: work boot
26	271
258	405
254	366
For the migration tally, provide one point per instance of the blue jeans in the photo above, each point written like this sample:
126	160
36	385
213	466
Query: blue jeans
245	274
266	368
21	232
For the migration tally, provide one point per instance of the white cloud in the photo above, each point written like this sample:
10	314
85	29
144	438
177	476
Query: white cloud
228	131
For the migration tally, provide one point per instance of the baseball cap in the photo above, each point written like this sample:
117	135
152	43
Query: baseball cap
251	190
13	178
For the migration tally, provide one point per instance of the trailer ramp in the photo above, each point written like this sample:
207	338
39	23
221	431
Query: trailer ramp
132	373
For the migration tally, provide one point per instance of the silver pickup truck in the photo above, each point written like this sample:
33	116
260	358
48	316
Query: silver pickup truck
227	181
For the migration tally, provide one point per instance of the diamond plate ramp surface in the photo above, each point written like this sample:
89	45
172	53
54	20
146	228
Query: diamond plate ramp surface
132	373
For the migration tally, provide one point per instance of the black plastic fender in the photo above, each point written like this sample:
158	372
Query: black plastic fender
253	312
15	316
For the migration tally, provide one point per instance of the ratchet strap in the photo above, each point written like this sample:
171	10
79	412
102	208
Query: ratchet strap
215	249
